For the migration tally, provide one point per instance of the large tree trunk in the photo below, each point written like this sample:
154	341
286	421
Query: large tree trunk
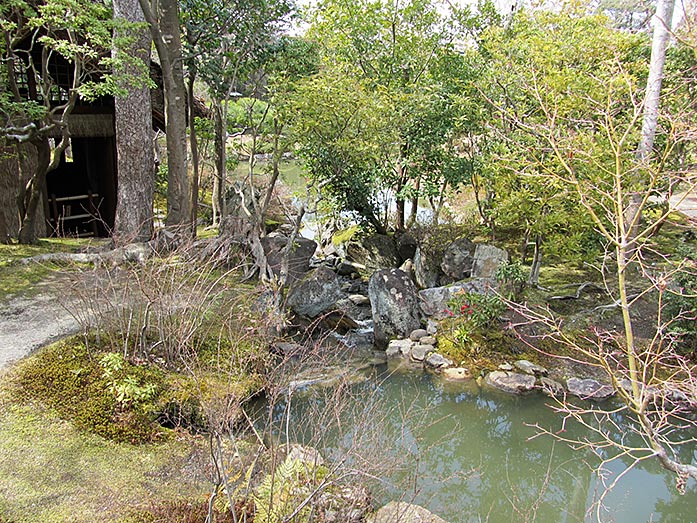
135	156
165	30
35	191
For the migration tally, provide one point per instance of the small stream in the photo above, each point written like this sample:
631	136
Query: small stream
467	455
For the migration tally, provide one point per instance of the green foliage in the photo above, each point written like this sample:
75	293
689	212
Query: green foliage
125	386
282	491
511	278
481	310
681	300
342	133
551	74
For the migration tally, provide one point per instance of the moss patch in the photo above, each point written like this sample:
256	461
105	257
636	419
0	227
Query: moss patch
71	380
343	236
17	278
52	472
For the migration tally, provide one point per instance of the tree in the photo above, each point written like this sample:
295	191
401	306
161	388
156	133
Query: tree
343	132
591	150
133	121
54	55
392	48
163	20
544	66
225	46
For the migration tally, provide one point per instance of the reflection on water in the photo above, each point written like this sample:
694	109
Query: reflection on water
466	454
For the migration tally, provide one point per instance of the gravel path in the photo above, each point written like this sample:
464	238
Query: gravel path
27	323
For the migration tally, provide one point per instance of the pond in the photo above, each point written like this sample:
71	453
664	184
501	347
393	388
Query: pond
470	455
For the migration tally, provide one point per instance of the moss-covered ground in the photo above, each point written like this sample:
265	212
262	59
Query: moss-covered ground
16	277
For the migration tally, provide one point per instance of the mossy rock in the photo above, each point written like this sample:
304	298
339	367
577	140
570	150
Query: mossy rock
344	235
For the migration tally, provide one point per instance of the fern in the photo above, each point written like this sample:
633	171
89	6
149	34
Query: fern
280	492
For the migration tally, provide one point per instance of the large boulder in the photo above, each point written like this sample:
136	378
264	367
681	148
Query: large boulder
511	382
298	255
401	512
487	260
315	294
394	304
434	301
375	252
427	272
458	259
589	389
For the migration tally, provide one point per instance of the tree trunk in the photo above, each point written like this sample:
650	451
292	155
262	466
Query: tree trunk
166	34
134	151
35	190
219	177
275	161
534	278
414	205
661	37
193	141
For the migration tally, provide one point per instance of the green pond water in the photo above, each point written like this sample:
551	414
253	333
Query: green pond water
470	455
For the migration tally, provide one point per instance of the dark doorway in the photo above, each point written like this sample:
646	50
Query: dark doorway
81	192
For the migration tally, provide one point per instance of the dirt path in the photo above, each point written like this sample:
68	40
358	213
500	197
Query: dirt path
30	322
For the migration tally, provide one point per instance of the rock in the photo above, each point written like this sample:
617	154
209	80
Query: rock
339	322
456	374
506	367
408	268
432	327
344	504
437	361
428	340
487	259
298	256
434	301
394	304
359	299
419	352
401	512
511	382
316	293
287	349
427	271
458	259
417	334
551	387
307	455
397	348
406	246
531	368
375	252
347	268
589	389
137	252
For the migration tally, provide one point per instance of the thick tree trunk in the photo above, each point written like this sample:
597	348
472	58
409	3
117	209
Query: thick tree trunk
135	156
165	30
35	191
